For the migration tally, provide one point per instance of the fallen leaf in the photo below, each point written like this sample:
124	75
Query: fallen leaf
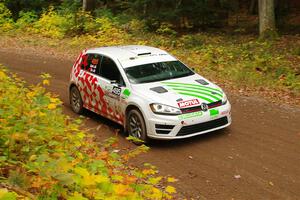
170	189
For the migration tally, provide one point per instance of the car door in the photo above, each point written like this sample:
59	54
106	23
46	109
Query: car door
111	83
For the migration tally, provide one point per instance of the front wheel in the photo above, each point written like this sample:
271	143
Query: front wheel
136	125
75	100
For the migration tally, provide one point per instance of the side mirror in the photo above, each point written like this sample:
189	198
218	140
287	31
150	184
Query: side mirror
114	82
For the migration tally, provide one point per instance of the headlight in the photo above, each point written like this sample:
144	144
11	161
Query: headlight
224	99
164	109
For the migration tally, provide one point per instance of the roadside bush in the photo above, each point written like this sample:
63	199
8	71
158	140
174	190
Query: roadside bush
6	22
26	20
53	25
45	155
166	29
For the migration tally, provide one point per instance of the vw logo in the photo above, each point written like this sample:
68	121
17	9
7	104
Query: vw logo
204	107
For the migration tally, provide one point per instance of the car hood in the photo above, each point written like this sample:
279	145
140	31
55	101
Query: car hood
180	92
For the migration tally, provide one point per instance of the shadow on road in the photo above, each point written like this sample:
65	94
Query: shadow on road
157	144
161	144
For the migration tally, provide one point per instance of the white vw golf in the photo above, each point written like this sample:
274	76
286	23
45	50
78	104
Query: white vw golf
148	91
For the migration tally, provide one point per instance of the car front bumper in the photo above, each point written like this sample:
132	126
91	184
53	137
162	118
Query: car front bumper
188	125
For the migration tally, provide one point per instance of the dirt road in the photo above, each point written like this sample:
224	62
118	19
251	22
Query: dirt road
258	157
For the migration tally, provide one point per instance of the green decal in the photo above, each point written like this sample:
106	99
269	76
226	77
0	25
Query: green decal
202	89
191	85
199	92
213	112
202	92
126	92
198	96
190	115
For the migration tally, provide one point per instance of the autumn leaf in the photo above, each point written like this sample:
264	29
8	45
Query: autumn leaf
155	180
170	189
172	179
122	190
51	106
46	82
81	171
148	172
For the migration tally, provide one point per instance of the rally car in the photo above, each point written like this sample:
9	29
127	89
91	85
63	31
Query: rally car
148	91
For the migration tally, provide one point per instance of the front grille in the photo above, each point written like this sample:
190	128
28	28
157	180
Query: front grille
159	131
214	104
163	128
191	109
198	108
186	130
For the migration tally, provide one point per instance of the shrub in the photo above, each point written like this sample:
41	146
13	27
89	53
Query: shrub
53	25
26	20
166	29
46	156
6	22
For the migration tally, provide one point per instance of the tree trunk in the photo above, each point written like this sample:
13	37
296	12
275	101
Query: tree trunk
88	5
266	18
253	7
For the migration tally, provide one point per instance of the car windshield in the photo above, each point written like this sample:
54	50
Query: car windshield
157	72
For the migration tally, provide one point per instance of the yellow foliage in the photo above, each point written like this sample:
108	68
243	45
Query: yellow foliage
100	179
172	179
81	171
2	75
149	172
155	180
51	24
170	189
46	82
122	190
51	106
54	154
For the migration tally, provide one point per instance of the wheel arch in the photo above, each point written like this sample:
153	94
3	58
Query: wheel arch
130	107
72	85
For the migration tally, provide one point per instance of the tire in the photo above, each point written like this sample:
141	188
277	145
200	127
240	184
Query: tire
76	100
136	126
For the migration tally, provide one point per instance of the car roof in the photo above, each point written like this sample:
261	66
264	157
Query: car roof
133	55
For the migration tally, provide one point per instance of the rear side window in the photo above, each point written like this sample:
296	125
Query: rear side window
93	63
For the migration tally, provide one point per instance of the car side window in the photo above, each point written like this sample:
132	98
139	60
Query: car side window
110	71
93	63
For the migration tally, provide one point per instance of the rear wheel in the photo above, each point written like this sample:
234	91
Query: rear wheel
136	126
75	100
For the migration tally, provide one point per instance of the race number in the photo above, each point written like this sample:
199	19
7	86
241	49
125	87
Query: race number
116	91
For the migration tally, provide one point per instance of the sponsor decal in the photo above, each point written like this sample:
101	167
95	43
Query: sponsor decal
93	68
213	112
126	92
190	115
188	103
225	112
116	90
